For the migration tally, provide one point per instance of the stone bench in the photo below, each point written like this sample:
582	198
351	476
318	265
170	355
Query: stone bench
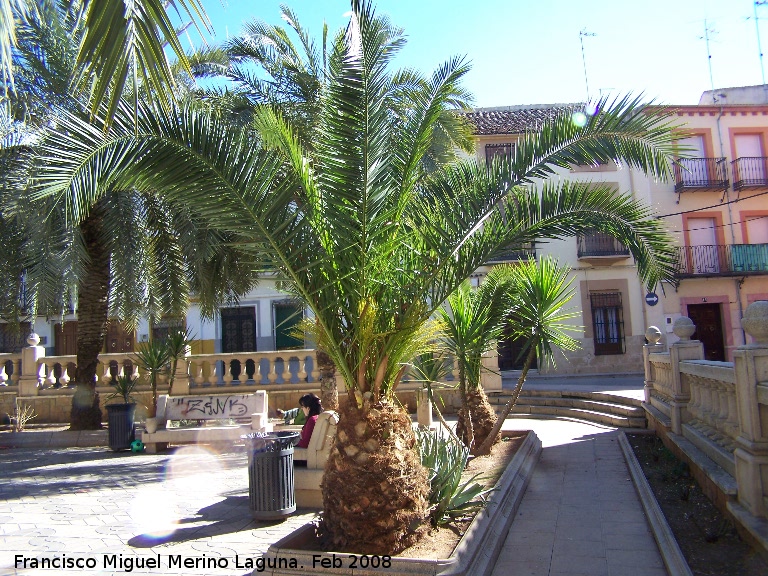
211	407
307	480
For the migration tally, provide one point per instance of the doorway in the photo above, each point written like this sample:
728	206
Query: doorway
709	329
510	352
238	329
287	317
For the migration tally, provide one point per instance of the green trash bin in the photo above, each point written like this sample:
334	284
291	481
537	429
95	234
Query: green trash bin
271	492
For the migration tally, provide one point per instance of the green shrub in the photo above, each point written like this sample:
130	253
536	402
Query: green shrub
446	458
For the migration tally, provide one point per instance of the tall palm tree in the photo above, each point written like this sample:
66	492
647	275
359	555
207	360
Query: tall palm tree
539	292
130	254
372	241
123	45
475	320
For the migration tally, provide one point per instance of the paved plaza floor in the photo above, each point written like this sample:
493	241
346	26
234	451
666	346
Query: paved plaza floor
579	516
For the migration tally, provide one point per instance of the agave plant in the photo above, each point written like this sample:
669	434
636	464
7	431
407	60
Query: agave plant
446	458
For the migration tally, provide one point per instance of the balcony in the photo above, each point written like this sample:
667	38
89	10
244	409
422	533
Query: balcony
728	260
750	172
600	249
524	252
700	174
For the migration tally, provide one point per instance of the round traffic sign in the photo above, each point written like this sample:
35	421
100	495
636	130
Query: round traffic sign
651	299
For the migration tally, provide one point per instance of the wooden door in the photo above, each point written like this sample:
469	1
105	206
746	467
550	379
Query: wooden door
749	151
709	329
118	340
238	329
65	338
694	168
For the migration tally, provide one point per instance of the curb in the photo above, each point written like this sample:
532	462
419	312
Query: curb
662	533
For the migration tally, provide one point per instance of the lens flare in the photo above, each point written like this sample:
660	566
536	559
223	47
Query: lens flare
153	512
579	118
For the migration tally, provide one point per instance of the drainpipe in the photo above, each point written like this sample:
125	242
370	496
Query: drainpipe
737	283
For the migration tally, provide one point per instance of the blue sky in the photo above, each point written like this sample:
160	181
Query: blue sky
526	52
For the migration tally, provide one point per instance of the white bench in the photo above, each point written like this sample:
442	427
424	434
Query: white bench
307	480
211	407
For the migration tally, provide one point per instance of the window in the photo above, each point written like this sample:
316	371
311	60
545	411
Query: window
607	322
493	150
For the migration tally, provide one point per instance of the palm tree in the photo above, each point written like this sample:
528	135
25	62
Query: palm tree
475	320
130	254
372	241
123	45
539	291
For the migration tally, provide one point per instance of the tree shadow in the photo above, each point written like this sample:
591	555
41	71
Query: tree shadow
233	514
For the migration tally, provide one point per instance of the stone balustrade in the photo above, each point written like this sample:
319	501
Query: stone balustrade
10	369
715	415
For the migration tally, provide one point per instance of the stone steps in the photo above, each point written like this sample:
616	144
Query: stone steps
595	407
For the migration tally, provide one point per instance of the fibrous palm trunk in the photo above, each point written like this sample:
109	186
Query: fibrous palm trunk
329	393
92	313
476	418
375	490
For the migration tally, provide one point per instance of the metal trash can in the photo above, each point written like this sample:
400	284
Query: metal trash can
122	429
271	493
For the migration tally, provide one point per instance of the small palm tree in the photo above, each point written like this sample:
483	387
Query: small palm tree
539	292
475	320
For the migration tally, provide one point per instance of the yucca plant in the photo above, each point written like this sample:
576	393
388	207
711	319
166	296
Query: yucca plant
370	239
475	319
540	292
123	386
152	358
177	343
446	459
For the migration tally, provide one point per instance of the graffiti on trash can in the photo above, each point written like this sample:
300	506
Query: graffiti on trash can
192	407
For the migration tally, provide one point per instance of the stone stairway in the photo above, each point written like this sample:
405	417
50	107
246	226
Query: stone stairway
598	407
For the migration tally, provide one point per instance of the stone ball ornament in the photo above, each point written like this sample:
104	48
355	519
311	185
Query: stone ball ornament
33	339
653	335
755	321
684	328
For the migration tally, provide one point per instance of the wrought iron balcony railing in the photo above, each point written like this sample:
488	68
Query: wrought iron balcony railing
750	172
514	254
700	173
728	260
600	244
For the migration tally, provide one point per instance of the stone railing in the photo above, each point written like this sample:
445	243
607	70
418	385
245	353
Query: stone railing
10	369
715	414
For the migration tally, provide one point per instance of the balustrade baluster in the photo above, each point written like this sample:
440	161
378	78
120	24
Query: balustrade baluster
16	371
315	372
227	374
3	376
722	416
706	403
51	378
213	376
733	414
302	373
272	376
196	368
107	377
694	406
64	380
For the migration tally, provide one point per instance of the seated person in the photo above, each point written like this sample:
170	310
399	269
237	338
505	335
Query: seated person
311	406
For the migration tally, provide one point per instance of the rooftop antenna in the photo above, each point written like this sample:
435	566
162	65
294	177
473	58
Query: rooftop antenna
707	32
582	34
757	30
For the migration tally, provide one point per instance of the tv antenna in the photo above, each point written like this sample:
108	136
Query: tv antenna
707	32
757	31
582	34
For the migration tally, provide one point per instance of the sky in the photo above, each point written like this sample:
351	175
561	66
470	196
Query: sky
530	51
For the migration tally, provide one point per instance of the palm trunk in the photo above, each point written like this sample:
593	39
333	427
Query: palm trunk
464	424
485	447
329	393
92	313
375	490
483	418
